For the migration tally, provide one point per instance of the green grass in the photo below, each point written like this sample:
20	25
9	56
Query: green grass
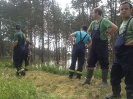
47	82
52	69
16	89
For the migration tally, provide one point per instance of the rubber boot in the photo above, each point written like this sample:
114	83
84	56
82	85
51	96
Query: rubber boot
116	93
104	78
26	68
71	74
88	77
78	76
23	72
129	95
20	72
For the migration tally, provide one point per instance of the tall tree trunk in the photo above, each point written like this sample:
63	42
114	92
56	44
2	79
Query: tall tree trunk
94	3
34	46
48	28
114	35
0	38
42	52
55	31
30	27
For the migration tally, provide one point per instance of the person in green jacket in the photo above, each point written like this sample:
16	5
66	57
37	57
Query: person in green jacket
123	63
18	50
100	29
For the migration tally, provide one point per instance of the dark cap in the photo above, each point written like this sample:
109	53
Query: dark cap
17	26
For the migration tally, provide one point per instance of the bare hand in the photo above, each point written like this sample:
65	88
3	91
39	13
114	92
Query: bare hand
107	35
130	43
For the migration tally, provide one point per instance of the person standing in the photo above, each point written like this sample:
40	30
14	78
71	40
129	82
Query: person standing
78	51
18	50
123	63
28	46
100	29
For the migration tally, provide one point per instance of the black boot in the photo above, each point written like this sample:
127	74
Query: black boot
88	77
20	72
71	74
129	95
116	93
78	76
23	72
104	78
26	68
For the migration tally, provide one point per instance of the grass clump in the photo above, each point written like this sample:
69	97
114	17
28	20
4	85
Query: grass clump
17	89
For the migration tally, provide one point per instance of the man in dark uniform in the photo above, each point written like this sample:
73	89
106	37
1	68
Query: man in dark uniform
18	51
78	51
123	64
28	46
99	29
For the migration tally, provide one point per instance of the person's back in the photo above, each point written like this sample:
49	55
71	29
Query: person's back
81	39
78	51
20	37
18	54
79	35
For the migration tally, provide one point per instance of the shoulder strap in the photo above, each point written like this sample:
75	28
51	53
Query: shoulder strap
81	37
128	24
84	37
100	23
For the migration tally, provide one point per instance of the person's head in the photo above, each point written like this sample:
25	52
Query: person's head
84	28
125	10
17	26
97	12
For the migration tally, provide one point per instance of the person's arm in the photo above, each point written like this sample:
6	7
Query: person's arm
15	40
90	28
15	43
89	44
89	31
71	38
130	43
112	29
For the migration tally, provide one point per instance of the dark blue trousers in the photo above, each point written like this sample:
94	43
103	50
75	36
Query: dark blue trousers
26	57
77	55
99	52
123	67
18	56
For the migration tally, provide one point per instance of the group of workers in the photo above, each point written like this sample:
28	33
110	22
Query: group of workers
96	39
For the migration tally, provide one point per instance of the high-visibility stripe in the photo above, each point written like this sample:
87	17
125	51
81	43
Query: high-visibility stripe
71	70
78	72
20	70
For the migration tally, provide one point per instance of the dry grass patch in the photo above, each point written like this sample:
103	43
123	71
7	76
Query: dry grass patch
60	86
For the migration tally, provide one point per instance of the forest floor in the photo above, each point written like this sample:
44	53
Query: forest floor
54	85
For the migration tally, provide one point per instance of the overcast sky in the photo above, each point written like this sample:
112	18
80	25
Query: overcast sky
63	3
